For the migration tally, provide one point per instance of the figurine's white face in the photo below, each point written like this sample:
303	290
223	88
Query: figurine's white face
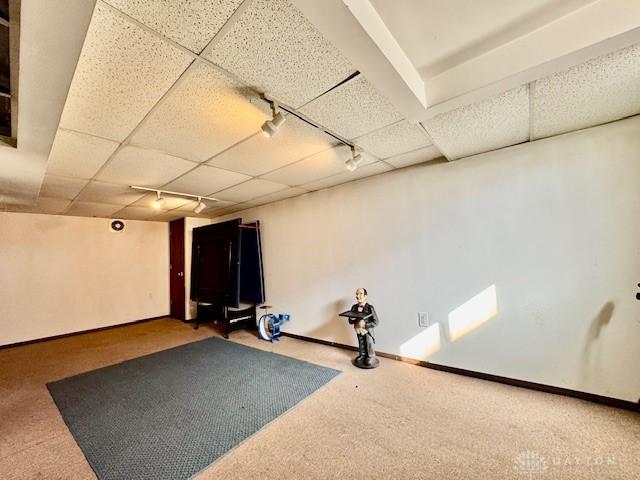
360	296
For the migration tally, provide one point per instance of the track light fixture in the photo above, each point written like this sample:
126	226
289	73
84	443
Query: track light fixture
355	160
159	201
271	127
200	207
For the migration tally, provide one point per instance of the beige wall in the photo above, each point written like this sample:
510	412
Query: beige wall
552	226
62	274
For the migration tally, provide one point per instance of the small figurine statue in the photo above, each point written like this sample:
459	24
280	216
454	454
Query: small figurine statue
364	318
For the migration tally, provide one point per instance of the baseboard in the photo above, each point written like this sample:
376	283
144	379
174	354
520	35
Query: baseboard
591	397
81	332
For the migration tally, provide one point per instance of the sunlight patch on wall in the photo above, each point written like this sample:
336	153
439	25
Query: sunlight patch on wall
423	344
473	313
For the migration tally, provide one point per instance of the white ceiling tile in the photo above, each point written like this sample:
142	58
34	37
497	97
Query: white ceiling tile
204	114
490	124
361	172
352	109
417	156
46	205
249	190
257	155
601	90
170	201
394	140
61	187
122	73
281	195
137	213
206	180
191	24
238	207
320	165
78	155
90	209
52	205
144	168
275	49
170	216
99	192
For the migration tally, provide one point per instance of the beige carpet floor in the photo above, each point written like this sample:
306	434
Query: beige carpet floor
396	422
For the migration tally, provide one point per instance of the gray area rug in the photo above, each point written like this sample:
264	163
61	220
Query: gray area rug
170	414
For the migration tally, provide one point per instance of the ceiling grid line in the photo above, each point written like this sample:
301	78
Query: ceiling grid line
444	154
125	142
231	21
532	90
150	30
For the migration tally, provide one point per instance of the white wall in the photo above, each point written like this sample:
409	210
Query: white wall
62	274
553	225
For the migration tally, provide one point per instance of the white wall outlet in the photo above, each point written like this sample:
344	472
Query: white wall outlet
423	319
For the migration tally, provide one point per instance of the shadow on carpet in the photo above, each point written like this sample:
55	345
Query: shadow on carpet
170	414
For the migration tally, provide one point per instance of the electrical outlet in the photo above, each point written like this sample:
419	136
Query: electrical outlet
423	319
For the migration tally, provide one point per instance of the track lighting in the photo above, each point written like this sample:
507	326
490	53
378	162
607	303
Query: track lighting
353	162
270	127
159	201
200	207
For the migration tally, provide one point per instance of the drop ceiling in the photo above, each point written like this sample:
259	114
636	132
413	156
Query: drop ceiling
170	95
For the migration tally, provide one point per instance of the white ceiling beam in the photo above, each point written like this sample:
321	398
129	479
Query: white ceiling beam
51	38
357	30
596	29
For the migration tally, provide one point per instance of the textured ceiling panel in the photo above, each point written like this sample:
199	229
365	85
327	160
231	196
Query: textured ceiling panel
417	156
205	181
394	140
171	216
320	165
249	190
61	187
144	168
353	109
51	206
191	24
89	209
204	114
78	155
281	195
273	48
137	213
598	91
361	172
99	192
490	124
232	209
123	71
257	155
